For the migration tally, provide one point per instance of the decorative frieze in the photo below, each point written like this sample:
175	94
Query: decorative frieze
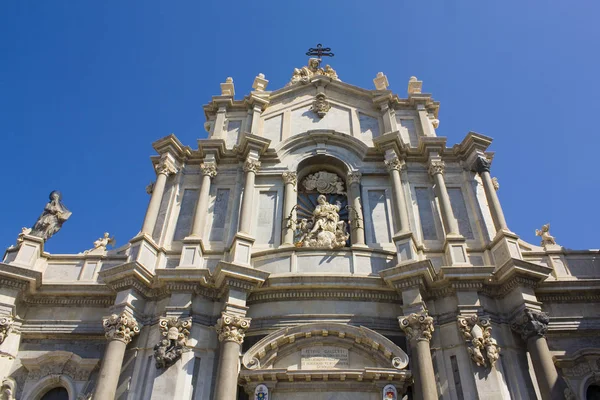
121	327
166	166
209	169
394	164
175	333
6	324
436	167
417	326
251	165
232	328
290	178
321	105
531	323
477	332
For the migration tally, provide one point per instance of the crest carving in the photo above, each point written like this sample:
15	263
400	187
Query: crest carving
321	105
174	335
477	332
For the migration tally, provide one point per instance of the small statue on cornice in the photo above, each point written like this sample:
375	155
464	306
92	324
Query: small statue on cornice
101	243
544	233
54	216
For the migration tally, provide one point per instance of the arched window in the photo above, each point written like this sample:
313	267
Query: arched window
593	392
58	393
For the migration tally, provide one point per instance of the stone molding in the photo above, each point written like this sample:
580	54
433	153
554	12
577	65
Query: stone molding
232	328
349	294
290	177
417	327
251	165
436	167
209	169
121	327
166	166
531	323
6	323
477	332
59	363
174	332
394	164
482	165
353	178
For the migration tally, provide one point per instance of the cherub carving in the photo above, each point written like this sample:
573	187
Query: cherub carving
545	235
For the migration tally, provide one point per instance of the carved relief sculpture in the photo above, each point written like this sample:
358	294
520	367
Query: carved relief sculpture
547	238
326	230
324	183
6	324
495	183
232	328
417	326
477	332
303	75
531	323
174	335
321	105
54	216
121	327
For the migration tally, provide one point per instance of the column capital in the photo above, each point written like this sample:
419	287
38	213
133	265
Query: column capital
417	327
436	167
530	323
394	164
209	169
482	164
6	323
290	177
121	327
166	166
251	165
232	328
353	178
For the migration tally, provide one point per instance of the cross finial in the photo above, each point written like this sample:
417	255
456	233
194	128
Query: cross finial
320	51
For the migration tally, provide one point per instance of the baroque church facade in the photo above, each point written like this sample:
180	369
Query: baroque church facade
322	243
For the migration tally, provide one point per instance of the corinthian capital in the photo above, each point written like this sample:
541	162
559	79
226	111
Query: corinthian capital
417	326
6	324
436	167
232	328
531	323
394	164
209	169
353	177
166	166
482	164
290	177
121	327
251	165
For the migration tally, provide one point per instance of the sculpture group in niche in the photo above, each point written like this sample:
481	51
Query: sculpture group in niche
170	348
325	230
477	332
53	217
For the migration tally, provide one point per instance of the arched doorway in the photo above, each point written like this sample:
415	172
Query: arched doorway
592	392
57	393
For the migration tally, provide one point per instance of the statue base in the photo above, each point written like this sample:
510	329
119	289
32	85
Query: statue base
405	247
455	249
26	253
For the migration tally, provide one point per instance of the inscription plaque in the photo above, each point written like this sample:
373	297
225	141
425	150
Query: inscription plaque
324	357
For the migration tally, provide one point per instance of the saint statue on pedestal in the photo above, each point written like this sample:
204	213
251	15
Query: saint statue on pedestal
54	215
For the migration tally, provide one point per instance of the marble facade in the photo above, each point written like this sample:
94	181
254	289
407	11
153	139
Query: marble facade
432	296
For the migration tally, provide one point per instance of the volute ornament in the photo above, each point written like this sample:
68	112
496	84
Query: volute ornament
209	169
321	105
174	333
6	324
531	323
232	328
477	332
121	327
324	182
251	165
417	326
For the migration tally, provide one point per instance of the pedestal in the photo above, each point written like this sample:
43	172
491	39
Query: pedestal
241	249
192	253
455	249
144	251
405	247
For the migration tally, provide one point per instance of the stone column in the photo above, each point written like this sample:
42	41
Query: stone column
120	329
231	330
394	165
418	329
164	168
532	327
251	167
289	202
209	171
482	166
356	214
436	170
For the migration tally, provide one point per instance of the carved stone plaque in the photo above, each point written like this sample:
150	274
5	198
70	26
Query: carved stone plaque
324	357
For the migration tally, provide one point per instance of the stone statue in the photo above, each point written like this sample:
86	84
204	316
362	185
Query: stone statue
54	215
326	230
102	242
545	235
306	73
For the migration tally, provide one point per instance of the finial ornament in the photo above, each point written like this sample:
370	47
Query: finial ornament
209	169
320	51
251	165
544	233
321	105
417	327
53	217
414	85
121	327
531	323
227	88
381	81
174	333
6	323
260	83
436	167
477	332
232	328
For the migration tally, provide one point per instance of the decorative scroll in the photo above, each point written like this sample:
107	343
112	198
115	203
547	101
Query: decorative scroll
477	332
324	182
417	326
231	328
120	327
170	348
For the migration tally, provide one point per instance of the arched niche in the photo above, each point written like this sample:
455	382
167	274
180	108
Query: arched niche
323	357
50	382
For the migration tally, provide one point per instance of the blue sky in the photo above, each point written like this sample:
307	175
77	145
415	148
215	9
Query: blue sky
86	87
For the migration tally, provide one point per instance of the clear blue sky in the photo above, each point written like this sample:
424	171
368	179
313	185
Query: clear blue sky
87	86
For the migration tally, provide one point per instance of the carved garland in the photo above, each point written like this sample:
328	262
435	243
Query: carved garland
121	327
477	332
232	328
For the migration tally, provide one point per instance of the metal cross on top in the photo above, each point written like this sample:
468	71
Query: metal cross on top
320	51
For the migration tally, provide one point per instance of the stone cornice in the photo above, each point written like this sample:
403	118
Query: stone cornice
19	277
216	147
327	137
129	275
357	294
520	268
390	141
237	276
171	145
573	291
249	142
419	273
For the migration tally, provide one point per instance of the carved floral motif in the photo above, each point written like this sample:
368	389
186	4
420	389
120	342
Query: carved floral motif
394	164
436	167
321	105
290	177
232	328
417	326
120	327
477	332
6	324
209	169
251	165
531	323
170	348
324	183
544	233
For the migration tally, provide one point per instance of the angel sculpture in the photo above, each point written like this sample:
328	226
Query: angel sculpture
545	235
102	242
